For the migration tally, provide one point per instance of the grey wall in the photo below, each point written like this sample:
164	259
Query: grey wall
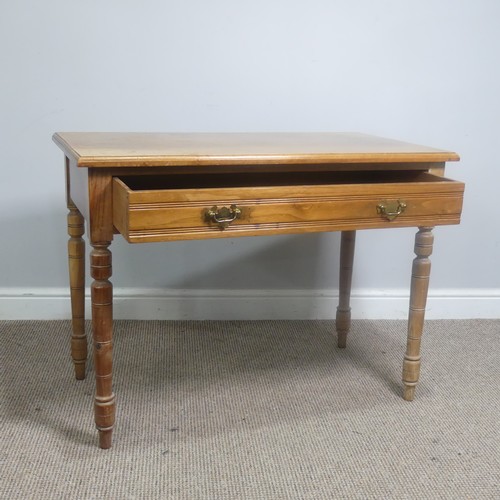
425	72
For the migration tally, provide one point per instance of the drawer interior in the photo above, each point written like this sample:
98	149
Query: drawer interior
197	181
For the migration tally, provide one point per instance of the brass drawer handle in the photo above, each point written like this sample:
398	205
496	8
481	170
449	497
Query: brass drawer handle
391	209
223	216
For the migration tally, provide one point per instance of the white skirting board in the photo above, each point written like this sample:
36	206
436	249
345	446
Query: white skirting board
157	304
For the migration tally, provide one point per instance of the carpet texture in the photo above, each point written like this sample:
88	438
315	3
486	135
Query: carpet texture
254	410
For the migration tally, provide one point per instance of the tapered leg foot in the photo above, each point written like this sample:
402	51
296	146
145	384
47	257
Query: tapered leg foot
343	318
418	297
105	439
409	393
80	371
102	333
76	260
343	324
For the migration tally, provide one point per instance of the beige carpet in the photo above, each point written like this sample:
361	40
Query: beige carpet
254	410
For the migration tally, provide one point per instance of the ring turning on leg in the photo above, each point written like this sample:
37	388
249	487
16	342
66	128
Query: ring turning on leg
102	333
418	297
76	260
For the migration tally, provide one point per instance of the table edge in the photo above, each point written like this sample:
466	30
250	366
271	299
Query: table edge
107	161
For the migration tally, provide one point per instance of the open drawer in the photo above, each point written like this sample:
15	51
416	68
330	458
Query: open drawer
190	206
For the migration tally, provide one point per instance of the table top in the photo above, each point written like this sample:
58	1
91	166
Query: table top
130	149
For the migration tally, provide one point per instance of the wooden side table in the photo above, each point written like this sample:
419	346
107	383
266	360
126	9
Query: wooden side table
164	187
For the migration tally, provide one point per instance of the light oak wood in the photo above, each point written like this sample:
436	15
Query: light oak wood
100	195
172	214
76	261
94	149
161	187
102	333
418	297
343	318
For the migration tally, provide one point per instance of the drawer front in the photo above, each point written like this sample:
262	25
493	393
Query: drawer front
147	215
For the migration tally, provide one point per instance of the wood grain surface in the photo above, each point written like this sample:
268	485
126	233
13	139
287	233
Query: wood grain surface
128	149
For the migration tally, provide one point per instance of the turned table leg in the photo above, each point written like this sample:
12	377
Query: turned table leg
343	319
76	260
418	298
102	332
